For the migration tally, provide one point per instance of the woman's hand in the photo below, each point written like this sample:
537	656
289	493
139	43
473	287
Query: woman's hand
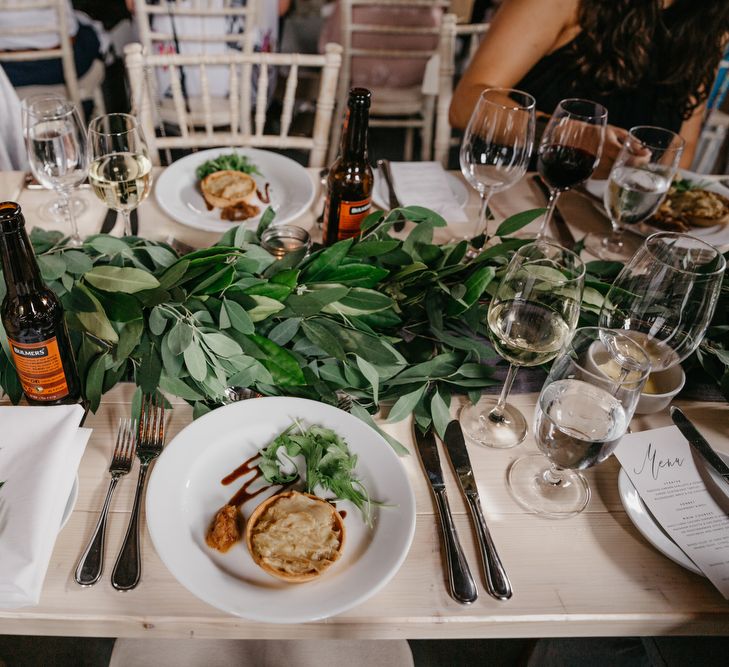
614	140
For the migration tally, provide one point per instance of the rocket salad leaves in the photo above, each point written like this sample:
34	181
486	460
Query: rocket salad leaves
232	161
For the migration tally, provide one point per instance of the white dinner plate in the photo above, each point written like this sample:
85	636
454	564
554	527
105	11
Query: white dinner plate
70	504
717	235
185	491
381	198
643	520
178	192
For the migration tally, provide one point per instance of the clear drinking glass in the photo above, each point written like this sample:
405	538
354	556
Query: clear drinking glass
665	296
570	148
583	410
533	313
55	138
497	144
121	171
637	184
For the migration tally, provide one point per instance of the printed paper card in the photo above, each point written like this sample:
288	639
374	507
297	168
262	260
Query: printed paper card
661	466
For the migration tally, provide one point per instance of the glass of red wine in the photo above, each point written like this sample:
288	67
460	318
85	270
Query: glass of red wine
570	148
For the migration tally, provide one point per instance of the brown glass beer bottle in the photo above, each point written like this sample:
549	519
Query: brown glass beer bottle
33	319
349	184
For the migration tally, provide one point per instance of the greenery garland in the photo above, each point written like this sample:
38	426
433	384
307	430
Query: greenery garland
378	317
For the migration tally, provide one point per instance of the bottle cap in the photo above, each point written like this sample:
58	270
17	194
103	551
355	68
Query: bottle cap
359	97
11	217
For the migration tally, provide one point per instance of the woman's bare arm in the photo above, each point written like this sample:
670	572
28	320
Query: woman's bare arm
521	33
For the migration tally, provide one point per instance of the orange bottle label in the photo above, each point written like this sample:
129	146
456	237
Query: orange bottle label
351	215
40	369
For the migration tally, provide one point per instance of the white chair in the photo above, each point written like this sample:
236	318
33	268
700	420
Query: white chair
411	107
88	87
470	36
716	125
244	117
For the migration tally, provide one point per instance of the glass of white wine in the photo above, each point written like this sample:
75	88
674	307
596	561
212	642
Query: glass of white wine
637	184
531	316
55	139
583	411
121	171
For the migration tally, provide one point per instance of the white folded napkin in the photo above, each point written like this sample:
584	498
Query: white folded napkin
426	184
40	450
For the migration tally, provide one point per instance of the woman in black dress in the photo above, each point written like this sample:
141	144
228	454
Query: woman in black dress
650	62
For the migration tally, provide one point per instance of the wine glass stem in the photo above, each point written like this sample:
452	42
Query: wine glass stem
70	216
553	194
482	219
552	475
127	223
497	411
614	242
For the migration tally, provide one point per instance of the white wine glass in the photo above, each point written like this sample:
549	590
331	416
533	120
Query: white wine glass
583	410
637	184
55	138
497	144
533	313
570	149
121	170
665	296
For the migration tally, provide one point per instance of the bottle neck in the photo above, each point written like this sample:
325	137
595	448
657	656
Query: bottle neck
20	267
354	139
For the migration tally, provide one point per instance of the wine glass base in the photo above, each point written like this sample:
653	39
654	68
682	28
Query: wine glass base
527	483
503	432
52	211
597	246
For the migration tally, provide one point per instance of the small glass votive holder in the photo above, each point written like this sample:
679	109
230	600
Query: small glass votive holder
282	240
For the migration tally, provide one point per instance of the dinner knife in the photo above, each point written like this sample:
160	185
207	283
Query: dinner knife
699	443
393	201
134	222
109	222
461	585
497	581
564	234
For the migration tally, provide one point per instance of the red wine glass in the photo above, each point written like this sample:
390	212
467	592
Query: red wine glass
570	148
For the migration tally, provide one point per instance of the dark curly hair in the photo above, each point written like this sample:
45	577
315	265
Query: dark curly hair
679	48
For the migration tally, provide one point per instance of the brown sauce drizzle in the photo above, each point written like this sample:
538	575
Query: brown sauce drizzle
264	196
244	494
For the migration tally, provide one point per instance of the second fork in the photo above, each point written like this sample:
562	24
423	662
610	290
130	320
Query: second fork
91	563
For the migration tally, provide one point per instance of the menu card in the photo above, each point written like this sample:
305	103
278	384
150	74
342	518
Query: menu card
426	184
661	466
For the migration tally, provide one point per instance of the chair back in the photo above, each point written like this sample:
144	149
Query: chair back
244	110
469	35
58	27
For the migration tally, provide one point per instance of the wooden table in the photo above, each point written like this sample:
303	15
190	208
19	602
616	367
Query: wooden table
586	576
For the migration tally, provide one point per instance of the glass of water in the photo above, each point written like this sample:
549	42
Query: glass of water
121	170
55	138
583	411
637	184
497	144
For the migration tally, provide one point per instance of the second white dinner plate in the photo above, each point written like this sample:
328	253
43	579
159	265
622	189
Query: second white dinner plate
291	190
185	491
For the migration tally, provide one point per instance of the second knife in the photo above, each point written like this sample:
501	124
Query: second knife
460	582
497	581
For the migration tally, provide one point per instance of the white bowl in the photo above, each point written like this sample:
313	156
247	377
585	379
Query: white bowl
669	382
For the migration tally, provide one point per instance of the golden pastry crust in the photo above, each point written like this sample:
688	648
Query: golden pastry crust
683	209
295	536
227	188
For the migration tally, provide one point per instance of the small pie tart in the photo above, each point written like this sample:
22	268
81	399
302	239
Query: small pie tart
227	188
295	536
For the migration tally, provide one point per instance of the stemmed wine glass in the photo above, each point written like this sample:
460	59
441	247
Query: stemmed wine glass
534	311
570	149
497	144
637	184
583	411
55	139
665	296
121	171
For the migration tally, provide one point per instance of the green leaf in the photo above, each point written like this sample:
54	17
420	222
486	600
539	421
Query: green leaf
199	409
77	262
285	330
149	370
238	317
179	388
195	362
94	381
440	413
121	307
372	376
283	366
117	279
318	334
130	334
172	362
251	371
157	321
220	344
322	263
52	267
160	256
174	274
265	222
366	417
406	404
107	245
265	307
518	221
96	322
180	337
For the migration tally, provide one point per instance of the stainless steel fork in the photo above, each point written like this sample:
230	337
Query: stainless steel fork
128	567
91	564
